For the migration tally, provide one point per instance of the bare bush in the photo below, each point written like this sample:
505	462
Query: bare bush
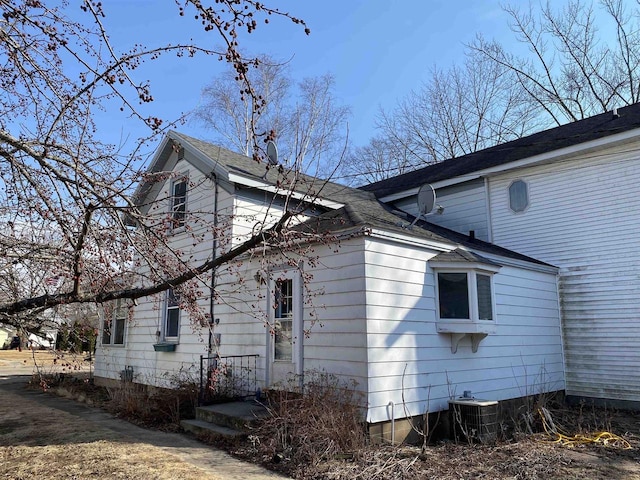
158	407
323	421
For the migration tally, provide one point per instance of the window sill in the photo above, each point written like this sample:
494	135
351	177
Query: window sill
466	326
164	347
458	329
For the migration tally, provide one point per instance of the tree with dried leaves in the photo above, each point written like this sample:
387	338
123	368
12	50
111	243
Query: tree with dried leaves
70	231
305	120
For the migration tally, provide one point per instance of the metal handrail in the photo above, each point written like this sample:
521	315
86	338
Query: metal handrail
232	377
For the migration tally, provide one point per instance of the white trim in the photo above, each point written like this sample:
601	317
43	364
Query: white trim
297	352
513	262
165	318
528	196
125	308
411	240
459	327
247	182
466	266
447	247
179	178
487	203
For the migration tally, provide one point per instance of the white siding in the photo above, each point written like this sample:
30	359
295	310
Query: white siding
334	311
158	368
583	217
411	364
464	208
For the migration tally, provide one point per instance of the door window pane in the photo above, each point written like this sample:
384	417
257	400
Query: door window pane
283	318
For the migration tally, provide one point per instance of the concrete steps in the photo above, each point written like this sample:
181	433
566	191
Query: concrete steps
229	420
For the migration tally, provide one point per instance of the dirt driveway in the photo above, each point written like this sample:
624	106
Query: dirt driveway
42	436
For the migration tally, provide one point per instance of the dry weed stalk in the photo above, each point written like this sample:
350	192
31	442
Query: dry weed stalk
323	421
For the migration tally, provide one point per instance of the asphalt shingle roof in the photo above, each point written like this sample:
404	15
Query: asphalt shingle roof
361	208
592	128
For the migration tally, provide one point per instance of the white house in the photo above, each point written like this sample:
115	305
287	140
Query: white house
568	196
415	315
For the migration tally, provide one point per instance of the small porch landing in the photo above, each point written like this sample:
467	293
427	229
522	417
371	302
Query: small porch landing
230	420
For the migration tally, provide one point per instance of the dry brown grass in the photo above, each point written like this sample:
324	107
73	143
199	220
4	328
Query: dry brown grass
47	360
301	439
40	442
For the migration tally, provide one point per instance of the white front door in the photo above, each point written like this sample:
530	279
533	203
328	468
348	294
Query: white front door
285	336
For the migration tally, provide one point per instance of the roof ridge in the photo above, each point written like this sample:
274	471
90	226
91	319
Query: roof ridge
591	128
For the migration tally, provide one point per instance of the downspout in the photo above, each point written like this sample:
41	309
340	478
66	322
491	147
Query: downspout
214	247
393	422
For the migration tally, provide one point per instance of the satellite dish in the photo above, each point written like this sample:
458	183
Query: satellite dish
272	153
426	201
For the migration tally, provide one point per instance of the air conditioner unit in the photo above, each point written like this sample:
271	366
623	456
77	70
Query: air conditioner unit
473	419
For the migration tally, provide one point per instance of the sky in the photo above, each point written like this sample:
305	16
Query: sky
377	50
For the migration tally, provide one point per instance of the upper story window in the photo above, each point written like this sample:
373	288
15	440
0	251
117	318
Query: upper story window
114	324
518	196
178	202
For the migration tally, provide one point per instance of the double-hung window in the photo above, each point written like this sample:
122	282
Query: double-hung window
172	317
113	325
179	202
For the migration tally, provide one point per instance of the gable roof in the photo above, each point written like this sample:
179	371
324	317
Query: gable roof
569	135
352	209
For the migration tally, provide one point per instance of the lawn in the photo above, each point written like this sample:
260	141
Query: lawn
41	442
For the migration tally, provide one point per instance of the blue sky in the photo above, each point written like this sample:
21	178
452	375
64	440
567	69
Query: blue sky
377	50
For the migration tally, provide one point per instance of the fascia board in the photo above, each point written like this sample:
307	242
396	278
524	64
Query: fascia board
409	240
464	266
201	161
252	183
513	262
567	152
447	247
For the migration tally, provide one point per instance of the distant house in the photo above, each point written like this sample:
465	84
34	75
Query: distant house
414	314
569	196
6	333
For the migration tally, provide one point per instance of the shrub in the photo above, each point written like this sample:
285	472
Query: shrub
159	407
323	420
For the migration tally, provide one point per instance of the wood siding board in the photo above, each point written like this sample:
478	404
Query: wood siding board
464	208
576	223
405	351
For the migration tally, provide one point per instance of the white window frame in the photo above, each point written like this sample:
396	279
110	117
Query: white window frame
291	317
110	323
473	324
472	295
527	200
279	368
174	206
165	321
